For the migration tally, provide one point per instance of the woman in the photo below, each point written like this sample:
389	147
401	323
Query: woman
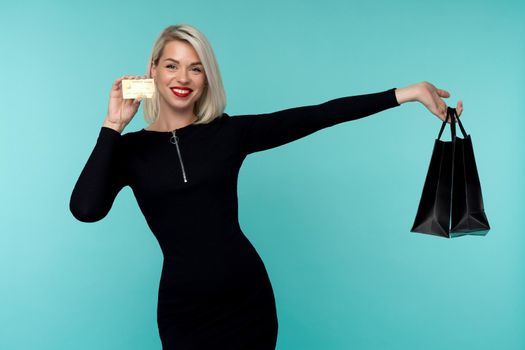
214	292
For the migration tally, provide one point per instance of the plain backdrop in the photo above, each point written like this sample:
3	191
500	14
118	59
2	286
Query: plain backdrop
330	214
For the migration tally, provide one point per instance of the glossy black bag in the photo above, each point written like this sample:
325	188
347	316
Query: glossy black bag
451	204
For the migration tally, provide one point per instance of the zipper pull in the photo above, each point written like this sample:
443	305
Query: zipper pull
175	140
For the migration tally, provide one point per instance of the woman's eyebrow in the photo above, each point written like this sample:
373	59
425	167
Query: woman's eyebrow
174	60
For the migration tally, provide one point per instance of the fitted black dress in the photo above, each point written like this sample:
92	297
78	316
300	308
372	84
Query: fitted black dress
214	290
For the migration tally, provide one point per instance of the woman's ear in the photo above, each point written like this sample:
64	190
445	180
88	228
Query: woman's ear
152	70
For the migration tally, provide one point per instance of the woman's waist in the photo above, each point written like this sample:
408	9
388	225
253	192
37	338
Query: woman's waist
212	269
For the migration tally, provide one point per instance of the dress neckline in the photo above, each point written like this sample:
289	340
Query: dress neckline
169	131
182	129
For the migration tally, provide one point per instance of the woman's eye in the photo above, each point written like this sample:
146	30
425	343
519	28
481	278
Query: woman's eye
170	66
197	69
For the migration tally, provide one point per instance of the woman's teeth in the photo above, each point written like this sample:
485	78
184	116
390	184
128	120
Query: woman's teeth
181	91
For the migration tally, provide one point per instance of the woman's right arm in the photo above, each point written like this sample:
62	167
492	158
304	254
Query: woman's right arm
100	180
104	174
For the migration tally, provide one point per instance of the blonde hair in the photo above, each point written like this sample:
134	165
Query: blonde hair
213	100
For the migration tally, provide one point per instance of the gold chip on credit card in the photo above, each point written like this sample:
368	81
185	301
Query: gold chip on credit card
133	88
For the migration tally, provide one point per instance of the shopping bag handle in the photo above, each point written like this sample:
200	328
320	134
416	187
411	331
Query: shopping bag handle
454	118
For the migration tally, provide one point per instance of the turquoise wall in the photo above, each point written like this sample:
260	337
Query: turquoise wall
330	214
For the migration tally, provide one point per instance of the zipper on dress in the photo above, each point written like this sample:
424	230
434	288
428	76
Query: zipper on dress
175	140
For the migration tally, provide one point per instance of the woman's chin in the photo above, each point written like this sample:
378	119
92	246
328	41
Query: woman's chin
175	104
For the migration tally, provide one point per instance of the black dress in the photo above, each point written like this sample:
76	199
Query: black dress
214	290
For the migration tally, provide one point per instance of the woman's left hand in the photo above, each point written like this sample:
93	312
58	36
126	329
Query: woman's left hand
430	97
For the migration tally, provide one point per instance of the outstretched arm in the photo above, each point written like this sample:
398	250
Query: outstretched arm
264	131
260	132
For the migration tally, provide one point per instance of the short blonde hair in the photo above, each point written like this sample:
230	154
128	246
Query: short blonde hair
213	100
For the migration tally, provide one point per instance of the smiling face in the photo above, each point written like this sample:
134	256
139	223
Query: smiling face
179	77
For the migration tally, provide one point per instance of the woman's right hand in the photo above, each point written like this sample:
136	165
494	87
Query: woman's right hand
121	111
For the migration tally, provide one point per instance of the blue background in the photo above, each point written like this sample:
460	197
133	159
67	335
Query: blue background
330	214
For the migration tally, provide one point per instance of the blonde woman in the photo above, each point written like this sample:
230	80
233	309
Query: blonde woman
214	292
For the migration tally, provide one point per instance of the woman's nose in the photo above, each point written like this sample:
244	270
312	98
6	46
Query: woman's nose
182	76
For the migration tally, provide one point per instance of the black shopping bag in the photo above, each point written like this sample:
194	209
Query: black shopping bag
451	204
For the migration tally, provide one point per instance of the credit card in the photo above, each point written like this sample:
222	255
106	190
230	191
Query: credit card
133	88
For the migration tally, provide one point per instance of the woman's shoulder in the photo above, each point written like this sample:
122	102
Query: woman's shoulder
130	136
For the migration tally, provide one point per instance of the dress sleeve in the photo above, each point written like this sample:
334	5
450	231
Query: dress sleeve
264	131
101	179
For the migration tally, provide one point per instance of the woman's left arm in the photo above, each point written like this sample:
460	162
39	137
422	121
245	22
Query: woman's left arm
260	132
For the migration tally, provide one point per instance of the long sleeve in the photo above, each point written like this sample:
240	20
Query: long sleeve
264	131
100	180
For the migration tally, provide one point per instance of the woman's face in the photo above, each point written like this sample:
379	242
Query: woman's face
179	77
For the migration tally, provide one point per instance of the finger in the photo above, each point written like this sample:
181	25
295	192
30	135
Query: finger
459	108
444	113
122	78
443	93
119	79
442	110
118	83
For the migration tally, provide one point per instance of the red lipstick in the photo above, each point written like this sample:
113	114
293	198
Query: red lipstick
181	91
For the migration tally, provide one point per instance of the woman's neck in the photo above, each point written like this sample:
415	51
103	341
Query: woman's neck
172	121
